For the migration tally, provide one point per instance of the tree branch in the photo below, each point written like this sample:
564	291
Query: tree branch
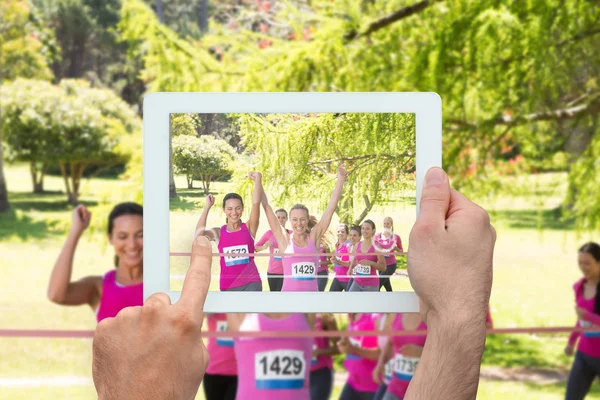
560	114
368	206
389	19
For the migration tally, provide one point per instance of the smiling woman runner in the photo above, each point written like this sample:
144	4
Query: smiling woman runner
390	243
238	273
341	271
273	368
300	271
119	288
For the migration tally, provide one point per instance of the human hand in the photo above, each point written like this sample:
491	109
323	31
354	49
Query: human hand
210	201
81	218
156	350
255	176
569	350
450	254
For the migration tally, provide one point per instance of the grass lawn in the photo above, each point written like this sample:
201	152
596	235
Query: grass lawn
535	266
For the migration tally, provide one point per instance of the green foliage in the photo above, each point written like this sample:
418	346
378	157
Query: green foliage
299	156
26	47
71	123
499	68
203	158
184	124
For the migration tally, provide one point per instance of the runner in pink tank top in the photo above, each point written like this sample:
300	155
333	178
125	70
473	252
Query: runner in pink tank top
324	263
275	268
321	370
220	379
586	365
120	288
407	352
273	368
367	266
116	297
341	270
300	271
362	354
389	243
239	271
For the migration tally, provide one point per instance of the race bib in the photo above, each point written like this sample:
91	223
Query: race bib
280	369
304	271
590	334
404	367
363	269
389	370
222	341
243	258
276	257
313	361
356	343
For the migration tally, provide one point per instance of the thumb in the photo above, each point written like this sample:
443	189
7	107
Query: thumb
435	198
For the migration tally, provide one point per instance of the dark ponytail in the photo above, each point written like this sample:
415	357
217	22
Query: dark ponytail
593	249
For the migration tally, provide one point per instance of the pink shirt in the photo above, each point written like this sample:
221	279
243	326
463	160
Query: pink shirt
589	342
300	272
360	370
320	343
404	367
273	368
366	275
275	261
116	297
237	270
340	270
387	244
382	342
220	350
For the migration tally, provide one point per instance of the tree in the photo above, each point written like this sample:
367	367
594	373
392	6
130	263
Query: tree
203	158
299	155
71	124
517	74
26	48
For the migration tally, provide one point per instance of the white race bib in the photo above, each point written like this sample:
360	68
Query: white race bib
356	343
304	271
276	257
280	369
588	324
363	269
236	260
222	341
404	367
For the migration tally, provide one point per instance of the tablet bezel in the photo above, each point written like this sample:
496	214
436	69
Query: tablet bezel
157	107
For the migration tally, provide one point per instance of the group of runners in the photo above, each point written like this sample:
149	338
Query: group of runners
378	366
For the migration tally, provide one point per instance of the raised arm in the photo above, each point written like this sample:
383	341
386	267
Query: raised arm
201	225
281	237
256	198
60	289
319	229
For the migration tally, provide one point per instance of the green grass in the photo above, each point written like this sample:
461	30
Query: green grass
534	268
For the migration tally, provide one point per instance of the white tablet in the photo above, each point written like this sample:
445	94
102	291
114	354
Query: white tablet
272	132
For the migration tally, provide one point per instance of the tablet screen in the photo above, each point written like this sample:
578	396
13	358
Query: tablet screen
359	246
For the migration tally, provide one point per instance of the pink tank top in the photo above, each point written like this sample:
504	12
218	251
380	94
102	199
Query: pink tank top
404	367
274	368
323	267
320	343
116	297
238	270
340	270
220	350
387	244
589	342
366	275
300	272
360	370
275	261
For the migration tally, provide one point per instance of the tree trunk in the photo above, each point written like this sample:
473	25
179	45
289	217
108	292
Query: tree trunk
37	176
4	203
190	182
172	188
63	172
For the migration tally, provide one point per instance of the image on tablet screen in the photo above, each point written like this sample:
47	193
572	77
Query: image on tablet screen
339	188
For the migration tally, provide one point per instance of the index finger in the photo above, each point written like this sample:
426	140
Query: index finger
197	278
